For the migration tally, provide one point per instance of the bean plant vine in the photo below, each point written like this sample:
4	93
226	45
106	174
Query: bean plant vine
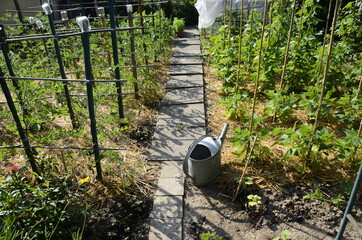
315	117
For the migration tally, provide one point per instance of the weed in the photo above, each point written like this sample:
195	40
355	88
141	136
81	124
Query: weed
285	235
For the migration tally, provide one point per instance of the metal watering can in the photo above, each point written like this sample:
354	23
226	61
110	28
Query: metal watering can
203	159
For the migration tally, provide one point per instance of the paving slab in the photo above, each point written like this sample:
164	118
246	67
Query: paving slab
171	144
188	41
164	151
191	32
186	60
185	81
175	133
189	115
183	96
185	69
165	229
172	169
186	51
167	207
170	187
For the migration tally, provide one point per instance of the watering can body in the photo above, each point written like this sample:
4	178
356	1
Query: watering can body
203	159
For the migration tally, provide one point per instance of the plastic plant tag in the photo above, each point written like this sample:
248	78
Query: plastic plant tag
101	12
83	23
47	9
39	24
129	8
64	15
31	20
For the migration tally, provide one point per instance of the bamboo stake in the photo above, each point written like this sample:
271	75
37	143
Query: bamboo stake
358	135
256	86
270	24
251	31
140	10
286	55
360	125
247	158
359	88
230	22
258	71
324	39
224	18
133	54
301	23
101	14
325	76
240	41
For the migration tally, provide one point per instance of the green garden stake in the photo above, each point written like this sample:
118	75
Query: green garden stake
350	204
49	12
5	50
82	7
133	50
28	150
40	26
18	9
117	72
84	25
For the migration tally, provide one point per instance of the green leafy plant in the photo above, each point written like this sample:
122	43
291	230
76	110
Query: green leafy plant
178	24
8	229
43	210
318	195
254	201
285	235
210	236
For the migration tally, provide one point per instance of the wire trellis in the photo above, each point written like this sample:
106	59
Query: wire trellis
56	35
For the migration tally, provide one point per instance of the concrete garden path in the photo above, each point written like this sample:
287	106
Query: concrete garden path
181	120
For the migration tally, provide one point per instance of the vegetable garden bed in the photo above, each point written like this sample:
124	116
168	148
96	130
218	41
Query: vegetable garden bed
80	101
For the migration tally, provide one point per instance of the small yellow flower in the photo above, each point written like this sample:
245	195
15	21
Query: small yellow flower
84	180
1	179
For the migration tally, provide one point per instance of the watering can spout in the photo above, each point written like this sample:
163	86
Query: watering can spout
223	133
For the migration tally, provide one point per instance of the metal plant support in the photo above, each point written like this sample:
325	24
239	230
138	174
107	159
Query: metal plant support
28	151
49	12
117	72
5	50
18	9
347	216
38	27
84	25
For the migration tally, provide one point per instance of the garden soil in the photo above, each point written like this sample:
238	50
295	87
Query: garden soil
212	209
